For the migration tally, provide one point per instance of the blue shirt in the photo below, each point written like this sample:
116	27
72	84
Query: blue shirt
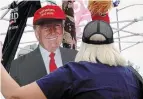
86	80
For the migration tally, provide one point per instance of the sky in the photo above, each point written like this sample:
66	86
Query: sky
133	54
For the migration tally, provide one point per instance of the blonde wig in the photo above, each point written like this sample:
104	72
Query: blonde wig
106	54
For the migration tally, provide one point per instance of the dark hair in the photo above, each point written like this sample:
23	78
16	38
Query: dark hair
45	21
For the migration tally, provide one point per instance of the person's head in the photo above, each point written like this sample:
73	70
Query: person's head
97	45
48	25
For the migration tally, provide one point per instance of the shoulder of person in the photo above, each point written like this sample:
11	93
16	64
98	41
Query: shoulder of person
72	64
26	56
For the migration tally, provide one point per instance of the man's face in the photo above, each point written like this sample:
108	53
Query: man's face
50	34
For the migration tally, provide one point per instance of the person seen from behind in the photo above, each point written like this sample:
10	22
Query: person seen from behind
99	72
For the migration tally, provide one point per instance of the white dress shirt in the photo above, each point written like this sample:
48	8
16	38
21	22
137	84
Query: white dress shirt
45	55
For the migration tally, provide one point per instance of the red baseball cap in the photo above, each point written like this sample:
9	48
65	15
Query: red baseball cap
49	12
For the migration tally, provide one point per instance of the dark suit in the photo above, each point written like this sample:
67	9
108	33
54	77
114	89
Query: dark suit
31	67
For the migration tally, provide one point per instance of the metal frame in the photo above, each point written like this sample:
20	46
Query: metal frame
131	22
117	30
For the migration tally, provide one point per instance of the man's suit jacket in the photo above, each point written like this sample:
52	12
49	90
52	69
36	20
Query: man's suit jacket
30	67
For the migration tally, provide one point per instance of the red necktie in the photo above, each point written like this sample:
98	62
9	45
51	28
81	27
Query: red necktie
52	64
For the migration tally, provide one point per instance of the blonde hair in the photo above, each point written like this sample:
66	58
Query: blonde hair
106	54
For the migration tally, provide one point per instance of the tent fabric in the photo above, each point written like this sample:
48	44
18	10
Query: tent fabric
18	18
